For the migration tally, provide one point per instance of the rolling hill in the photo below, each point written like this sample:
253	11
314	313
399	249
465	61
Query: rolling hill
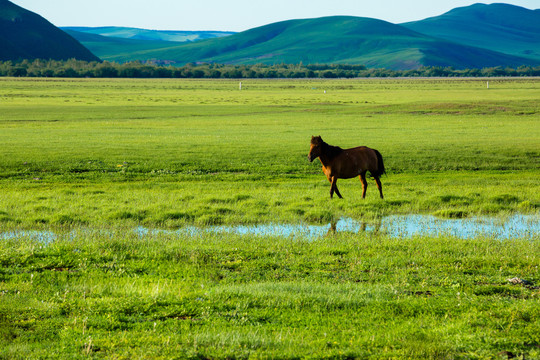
336	39
151	35
475	36
26	35
504	28
114	48
114	43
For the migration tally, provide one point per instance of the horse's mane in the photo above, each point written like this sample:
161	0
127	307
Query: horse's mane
330	150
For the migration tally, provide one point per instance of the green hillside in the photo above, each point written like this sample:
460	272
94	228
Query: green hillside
152	35
25	35
112	48
114	43
337	39
499	27
476	36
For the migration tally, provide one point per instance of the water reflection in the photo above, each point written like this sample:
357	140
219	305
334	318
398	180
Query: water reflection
44	237
516	226
397	226
354	226
280	230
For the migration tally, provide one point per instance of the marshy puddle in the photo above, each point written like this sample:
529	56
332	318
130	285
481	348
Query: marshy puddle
44	237
397	226
516	226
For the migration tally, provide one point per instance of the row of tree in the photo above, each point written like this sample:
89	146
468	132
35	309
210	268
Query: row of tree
137	69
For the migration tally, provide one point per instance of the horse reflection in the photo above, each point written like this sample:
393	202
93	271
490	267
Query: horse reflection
363	227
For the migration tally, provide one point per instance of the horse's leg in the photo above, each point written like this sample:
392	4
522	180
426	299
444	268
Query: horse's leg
337	191
379	186
364	184
334	188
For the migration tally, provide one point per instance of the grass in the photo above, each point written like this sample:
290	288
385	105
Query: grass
92	159
106	151
157	296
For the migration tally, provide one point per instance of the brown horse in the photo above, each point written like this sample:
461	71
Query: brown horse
341	163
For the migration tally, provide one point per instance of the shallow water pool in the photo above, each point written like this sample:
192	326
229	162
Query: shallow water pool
397	226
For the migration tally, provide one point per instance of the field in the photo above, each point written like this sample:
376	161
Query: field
91	160
165	153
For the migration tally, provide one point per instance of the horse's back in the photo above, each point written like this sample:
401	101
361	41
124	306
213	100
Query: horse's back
366	159
364	153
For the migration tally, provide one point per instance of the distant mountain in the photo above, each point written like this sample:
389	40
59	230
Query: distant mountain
336	39
153	35
26	35
499	27
118	43
475	36
118	49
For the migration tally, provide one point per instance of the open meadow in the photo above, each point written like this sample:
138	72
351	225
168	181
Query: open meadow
164	153
90	160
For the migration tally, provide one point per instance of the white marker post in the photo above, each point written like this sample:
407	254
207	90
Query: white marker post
240	86
488	84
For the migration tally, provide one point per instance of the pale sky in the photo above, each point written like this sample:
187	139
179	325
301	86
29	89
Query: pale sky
233	15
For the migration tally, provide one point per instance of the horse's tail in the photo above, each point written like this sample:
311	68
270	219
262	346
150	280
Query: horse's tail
380	165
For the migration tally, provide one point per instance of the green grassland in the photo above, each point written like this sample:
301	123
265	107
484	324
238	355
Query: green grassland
91	159
168	152
97	295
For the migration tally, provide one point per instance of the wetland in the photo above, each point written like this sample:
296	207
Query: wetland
181	219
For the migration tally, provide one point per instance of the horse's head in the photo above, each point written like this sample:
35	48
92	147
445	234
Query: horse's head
315	148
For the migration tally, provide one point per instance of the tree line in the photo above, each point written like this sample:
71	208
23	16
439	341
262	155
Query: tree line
137	69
